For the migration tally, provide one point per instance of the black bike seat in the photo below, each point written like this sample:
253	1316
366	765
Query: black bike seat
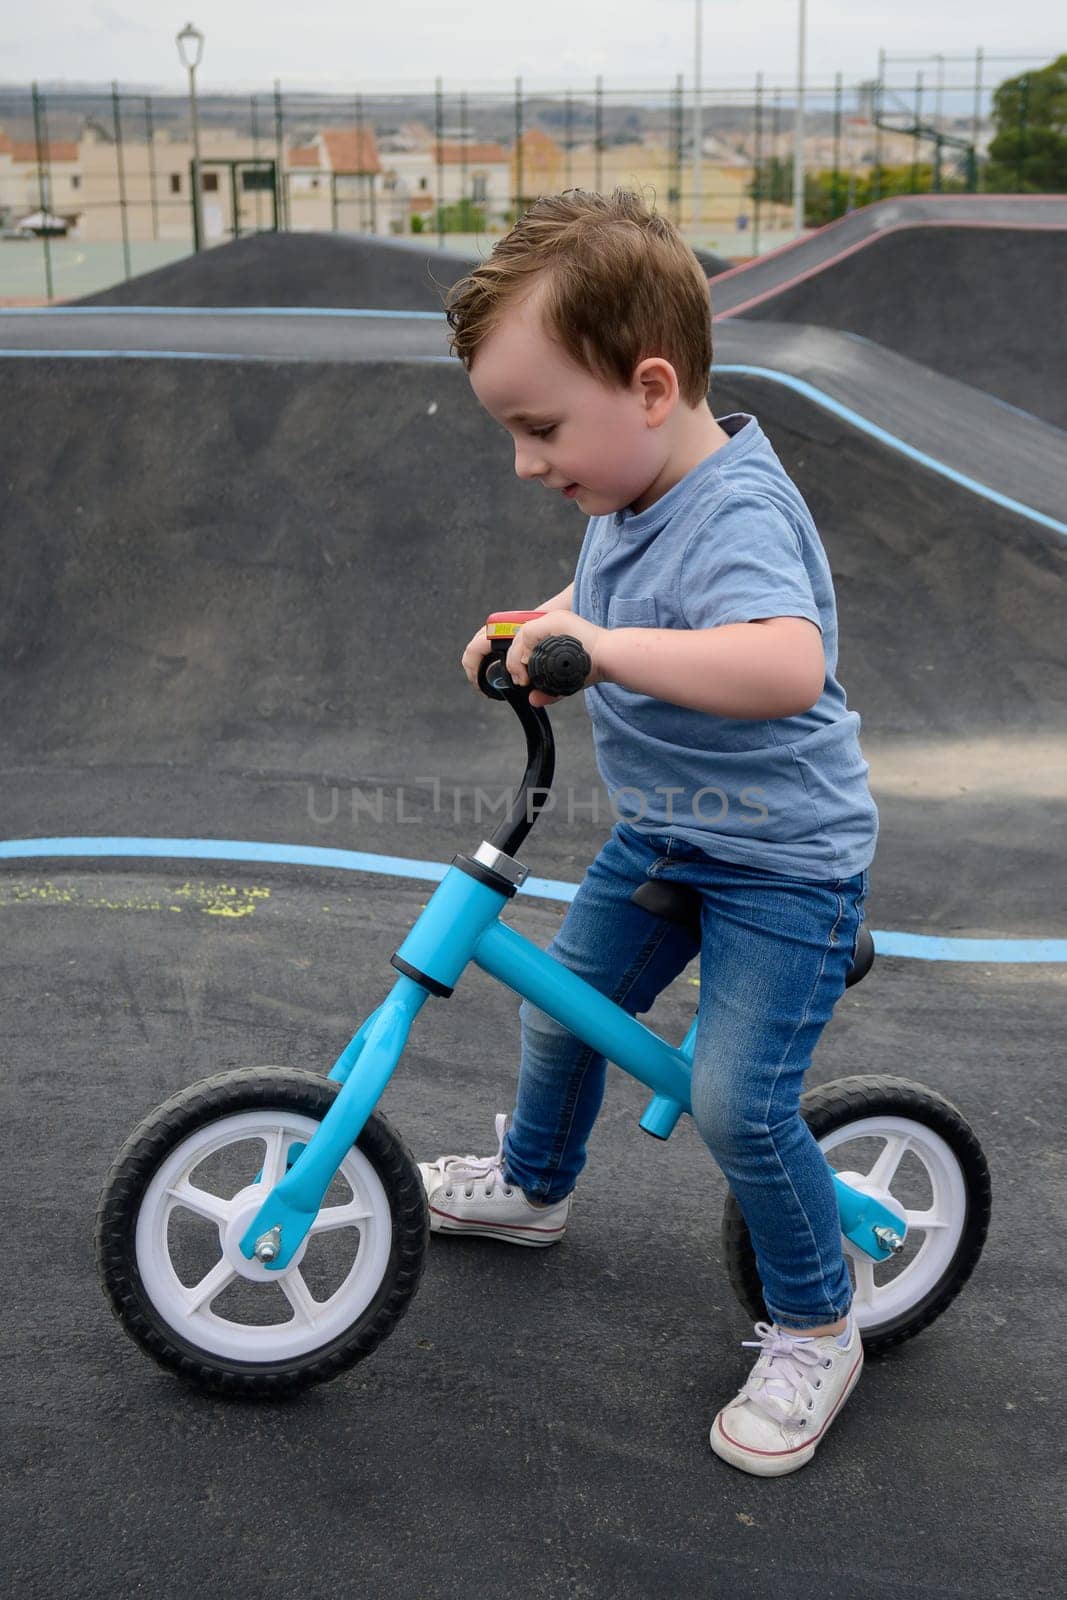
680	903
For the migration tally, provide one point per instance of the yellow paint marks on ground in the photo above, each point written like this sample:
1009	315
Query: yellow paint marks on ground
212	899
221	899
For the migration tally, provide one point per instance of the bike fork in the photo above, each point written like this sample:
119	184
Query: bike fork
282	1222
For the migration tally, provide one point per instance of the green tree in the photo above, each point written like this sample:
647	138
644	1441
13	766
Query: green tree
1028	154
463	217
828	194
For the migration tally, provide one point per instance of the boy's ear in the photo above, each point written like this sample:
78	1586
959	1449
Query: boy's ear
656	384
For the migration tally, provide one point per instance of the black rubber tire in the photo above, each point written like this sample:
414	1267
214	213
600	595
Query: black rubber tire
133	1169
831	1107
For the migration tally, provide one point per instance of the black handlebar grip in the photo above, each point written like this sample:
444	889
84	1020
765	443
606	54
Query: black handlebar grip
559	665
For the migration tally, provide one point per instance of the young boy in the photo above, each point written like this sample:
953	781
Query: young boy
704	599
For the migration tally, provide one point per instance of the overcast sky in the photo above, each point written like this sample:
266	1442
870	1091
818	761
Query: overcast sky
478	43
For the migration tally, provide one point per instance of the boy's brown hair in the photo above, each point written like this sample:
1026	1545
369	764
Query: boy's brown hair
619	283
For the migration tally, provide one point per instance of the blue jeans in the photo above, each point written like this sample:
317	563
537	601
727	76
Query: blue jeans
774	955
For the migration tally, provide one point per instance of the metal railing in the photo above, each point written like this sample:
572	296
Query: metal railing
461	165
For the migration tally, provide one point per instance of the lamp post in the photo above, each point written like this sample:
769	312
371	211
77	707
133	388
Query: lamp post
190	51
798	128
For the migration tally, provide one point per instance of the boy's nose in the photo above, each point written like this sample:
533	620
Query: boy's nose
528	465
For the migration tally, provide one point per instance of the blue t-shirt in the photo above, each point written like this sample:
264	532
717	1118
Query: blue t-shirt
732	541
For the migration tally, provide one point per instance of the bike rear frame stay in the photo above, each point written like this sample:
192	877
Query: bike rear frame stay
460	924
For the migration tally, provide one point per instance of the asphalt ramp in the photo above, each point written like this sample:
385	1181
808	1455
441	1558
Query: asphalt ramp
984	304
298	269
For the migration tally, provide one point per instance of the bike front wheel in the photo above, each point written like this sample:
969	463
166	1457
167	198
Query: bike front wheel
181	1194
915	1151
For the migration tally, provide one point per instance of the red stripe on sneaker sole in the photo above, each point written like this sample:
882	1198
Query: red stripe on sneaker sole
502	1227
781	1455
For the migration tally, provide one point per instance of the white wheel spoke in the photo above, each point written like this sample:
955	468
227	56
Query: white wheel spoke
924	1221
277	1143
864	1280
202	1293
298	1295
205	1204
884	1170
346	1216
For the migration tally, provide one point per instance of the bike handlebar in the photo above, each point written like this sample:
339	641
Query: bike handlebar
558	666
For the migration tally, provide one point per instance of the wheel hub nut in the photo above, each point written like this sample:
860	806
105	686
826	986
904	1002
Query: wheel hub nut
887	1239
269	1244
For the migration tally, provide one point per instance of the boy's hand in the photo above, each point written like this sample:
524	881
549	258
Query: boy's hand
531	633
474	654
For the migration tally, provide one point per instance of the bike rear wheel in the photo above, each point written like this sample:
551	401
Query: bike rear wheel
182	1192
913	1149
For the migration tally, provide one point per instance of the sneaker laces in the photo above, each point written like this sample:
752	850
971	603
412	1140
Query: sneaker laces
780	1382
469	1170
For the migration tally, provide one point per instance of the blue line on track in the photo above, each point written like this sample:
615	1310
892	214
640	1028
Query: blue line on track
921	947
144	355
211	311
828	403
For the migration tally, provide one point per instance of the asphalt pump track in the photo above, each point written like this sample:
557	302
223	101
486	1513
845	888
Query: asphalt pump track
236	594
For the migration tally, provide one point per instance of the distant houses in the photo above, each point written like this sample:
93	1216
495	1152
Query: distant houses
351	179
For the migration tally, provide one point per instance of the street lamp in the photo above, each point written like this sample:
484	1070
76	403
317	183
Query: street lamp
798	128
190	51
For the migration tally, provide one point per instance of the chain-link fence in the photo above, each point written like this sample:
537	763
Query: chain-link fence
98	187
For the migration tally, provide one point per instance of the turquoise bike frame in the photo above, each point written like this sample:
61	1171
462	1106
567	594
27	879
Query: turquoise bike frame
460	924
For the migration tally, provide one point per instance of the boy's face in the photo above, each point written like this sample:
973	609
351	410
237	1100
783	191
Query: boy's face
572	431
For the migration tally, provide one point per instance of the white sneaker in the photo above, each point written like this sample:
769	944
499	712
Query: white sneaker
468	1194
792	1395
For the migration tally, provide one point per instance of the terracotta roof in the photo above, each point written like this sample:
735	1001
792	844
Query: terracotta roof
57	150
476	155
351	150
306	155
5	144
541	145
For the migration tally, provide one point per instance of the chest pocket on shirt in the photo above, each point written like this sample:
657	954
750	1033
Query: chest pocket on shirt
629	611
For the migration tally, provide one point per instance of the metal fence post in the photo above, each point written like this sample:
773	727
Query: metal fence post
464	208
878	102
599	139
151	138
279	146
254	108
364	177
1024	109
519	175
677	151
916	135
439	125
121	169
757	187
568	141
837	146
44	184
977	165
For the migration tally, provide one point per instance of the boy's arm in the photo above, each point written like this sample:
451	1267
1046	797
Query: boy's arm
754	671
772	668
